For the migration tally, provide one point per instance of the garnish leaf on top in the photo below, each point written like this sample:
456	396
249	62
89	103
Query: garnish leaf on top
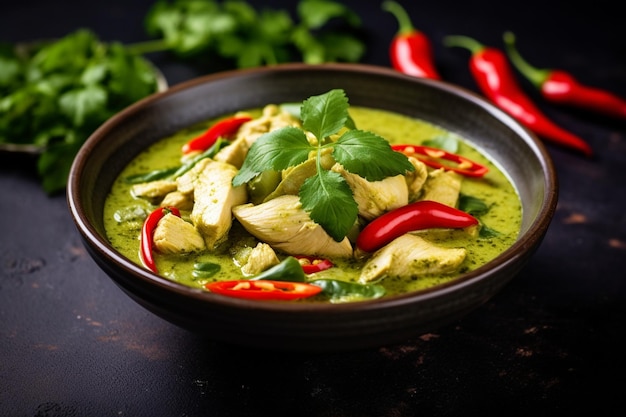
326	195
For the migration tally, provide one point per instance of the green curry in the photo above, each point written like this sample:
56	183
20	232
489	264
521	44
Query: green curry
500	223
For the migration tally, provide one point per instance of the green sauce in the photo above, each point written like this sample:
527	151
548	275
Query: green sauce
124	214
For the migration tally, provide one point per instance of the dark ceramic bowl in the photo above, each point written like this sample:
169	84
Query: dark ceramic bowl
311	326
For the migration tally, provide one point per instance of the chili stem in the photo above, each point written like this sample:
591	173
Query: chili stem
404	21
464	42
534	75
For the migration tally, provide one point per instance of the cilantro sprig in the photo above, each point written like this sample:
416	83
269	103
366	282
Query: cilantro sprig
55	94
326	196
208	30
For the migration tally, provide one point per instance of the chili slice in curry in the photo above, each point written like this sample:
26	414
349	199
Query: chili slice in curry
264	289
312	264
434	157
147	232
223	129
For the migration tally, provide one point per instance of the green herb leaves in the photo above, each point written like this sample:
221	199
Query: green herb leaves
326	114
326	195
328	200
235	30
55	94
274	151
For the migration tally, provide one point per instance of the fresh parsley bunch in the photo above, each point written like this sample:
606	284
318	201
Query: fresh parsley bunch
326	195
55	94
206	29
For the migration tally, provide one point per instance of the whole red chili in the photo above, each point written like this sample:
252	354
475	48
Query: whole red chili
561	87
147	232
222	129
496	79
434	157
420	215
410	50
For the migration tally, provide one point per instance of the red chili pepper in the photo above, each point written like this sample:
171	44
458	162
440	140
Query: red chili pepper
264	289
420	215
311	264
431	156
223	129
410	51
496	79
147	231
560	87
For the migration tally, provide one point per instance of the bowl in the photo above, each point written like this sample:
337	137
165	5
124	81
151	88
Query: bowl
311	327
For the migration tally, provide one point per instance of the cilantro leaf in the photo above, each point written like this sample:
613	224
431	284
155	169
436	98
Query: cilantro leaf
55	162
326	195
316	13
55	103
234	30
325	114
340	47
189	27
369	155
10	68
328	200
84	104
260	39
275	150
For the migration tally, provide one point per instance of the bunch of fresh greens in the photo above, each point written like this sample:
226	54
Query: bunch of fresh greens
325	32
55	94
326	195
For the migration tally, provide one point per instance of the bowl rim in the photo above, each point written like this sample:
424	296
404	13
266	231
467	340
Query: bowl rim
529	238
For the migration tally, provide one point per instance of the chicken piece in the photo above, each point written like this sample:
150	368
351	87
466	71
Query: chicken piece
271	119
175	235
214	197
283	223
153	190
179	200
261	258
235	153
376	197
443	187
187	182
416	179
294	177
410	256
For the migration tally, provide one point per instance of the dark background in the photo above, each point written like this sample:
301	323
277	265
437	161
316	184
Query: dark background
550	344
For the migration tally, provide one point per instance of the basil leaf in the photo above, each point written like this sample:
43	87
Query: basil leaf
157	174
288	270
472	205
175	172
205	269
341	291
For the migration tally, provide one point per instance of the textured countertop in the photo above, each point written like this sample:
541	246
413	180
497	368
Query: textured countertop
550	343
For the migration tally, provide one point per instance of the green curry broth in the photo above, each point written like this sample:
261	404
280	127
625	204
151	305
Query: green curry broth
504	215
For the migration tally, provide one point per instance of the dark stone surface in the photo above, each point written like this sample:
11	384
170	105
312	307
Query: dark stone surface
551	343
